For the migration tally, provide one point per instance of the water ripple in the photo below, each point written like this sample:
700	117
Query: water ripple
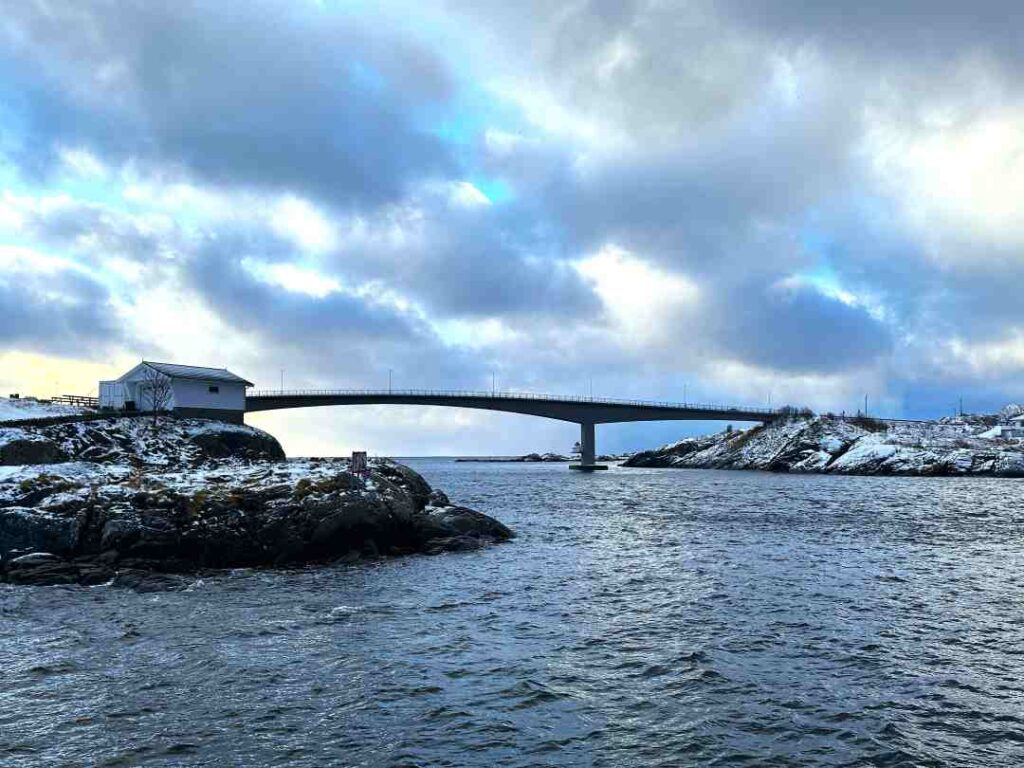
642	618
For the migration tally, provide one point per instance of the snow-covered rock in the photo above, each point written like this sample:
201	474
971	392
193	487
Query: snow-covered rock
20	446
175	495
1009	411
855	446
144	441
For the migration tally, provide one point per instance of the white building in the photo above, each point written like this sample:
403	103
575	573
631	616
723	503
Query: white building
1015	428
1011	429
186	390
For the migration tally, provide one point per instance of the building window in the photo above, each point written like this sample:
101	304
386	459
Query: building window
214	390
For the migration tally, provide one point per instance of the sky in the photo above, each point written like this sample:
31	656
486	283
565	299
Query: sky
741	201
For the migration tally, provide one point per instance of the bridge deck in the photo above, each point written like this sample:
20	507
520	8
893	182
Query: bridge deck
572	408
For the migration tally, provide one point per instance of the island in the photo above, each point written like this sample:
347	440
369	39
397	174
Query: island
858	445
141	501
531	458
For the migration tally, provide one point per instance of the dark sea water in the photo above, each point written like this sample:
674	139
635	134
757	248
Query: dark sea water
642	618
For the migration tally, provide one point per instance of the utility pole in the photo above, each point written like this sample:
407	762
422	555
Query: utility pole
865	405
389	381
591	387
961	405
684	393
282	380
492	384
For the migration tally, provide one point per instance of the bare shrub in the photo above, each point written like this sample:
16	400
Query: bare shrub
156	388
868	423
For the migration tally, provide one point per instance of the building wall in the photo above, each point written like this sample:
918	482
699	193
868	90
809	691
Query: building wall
189	393
220	414
112	394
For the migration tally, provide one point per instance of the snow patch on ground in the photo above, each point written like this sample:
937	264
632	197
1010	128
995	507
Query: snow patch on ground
28	408
206	427
10	434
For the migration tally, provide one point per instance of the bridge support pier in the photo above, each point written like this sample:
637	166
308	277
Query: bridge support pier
587	450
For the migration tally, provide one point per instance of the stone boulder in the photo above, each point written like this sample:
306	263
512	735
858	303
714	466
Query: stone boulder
29	449
251	445
408	479
23	529
41	569
457	529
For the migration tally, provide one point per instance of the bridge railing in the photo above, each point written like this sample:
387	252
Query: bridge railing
488	395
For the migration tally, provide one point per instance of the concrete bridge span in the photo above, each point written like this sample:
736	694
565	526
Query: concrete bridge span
585	411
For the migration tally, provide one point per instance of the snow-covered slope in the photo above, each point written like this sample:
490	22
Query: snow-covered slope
28	408
864	447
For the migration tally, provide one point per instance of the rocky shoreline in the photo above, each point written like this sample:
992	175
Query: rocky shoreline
138	502
855	446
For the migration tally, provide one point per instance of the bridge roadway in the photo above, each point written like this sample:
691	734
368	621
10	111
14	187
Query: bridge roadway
585	411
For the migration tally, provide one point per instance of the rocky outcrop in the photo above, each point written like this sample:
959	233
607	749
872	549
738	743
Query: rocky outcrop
529	458
20	447
163	442
454	529
223	498
231	442
852	447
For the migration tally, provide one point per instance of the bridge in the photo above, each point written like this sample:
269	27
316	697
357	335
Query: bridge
585	411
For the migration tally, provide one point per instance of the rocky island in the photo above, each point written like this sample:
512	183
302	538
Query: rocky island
530	458
850	446
138	501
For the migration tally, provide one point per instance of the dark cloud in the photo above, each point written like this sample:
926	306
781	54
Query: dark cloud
63	313
96	233
903	30
797	329
470	261
708	207
655	70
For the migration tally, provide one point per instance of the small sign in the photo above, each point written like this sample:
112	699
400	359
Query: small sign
358	465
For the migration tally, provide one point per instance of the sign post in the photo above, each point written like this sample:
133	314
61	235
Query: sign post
358	465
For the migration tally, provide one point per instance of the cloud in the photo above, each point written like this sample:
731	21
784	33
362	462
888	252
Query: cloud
794	327
907	32
281	96
47	305
795	196
341	335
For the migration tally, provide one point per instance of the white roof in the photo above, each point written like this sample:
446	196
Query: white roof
175	371
1018	417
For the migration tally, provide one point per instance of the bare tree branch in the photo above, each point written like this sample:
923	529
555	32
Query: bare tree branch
157	389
